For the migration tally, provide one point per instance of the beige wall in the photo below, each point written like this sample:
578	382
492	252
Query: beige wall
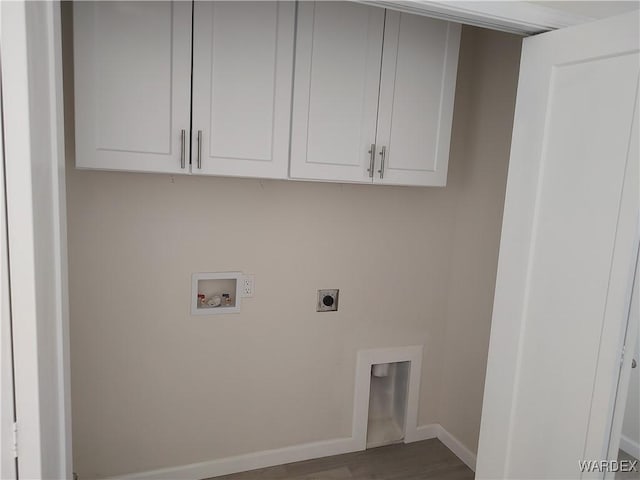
487	80
154	387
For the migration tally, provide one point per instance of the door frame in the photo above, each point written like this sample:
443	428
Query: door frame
8	467
621	394
36	222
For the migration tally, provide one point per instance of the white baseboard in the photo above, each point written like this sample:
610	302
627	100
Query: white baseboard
457	447
423	432
435	430
306	451
250	461
297	453
629	446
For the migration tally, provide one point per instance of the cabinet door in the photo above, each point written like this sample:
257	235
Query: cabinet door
419	66
335	95
132	85
242	75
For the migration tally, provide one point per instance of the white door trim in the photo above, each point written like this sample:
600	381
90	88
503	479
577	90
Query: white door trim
523	18
7	411
616	439
36	220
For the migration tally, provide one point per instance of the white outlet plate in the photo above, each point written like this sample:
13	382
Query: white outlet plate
247	286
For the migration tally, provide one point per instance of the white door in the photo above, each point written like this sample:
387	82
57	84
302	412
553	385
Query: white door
335	96
567	255
132	85
7	406
242	75
418	82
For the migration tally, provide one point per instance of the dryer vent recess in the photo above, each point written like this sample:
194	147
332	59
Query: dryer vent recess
327	300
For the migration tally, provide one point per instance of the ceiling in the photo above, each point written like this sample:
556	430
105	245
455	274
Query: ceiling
592	9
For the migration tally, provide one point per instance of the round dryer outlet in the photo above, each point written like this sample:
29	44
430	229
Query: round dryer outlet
327	300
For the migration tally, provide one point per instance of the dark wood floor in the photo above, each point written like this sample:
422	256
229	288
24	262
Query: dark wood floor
428	459
635	475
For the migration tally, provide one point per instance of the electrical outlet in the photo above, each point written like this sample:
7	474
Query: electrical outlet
247	285
327	300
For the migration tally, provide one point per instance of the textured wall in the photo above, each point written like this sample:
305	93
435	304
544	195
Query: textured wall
154	387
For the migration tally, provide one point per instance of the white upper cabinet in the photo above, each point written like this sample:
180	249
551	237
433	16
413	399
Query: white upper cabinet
136	106
207	88
337	75
242	75
364	111
132	85
417	86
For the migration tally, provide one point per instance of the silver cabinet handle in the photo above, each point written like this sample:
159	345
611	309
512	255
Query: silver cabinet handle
199	149
634	364
372	159
182	148
383	154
